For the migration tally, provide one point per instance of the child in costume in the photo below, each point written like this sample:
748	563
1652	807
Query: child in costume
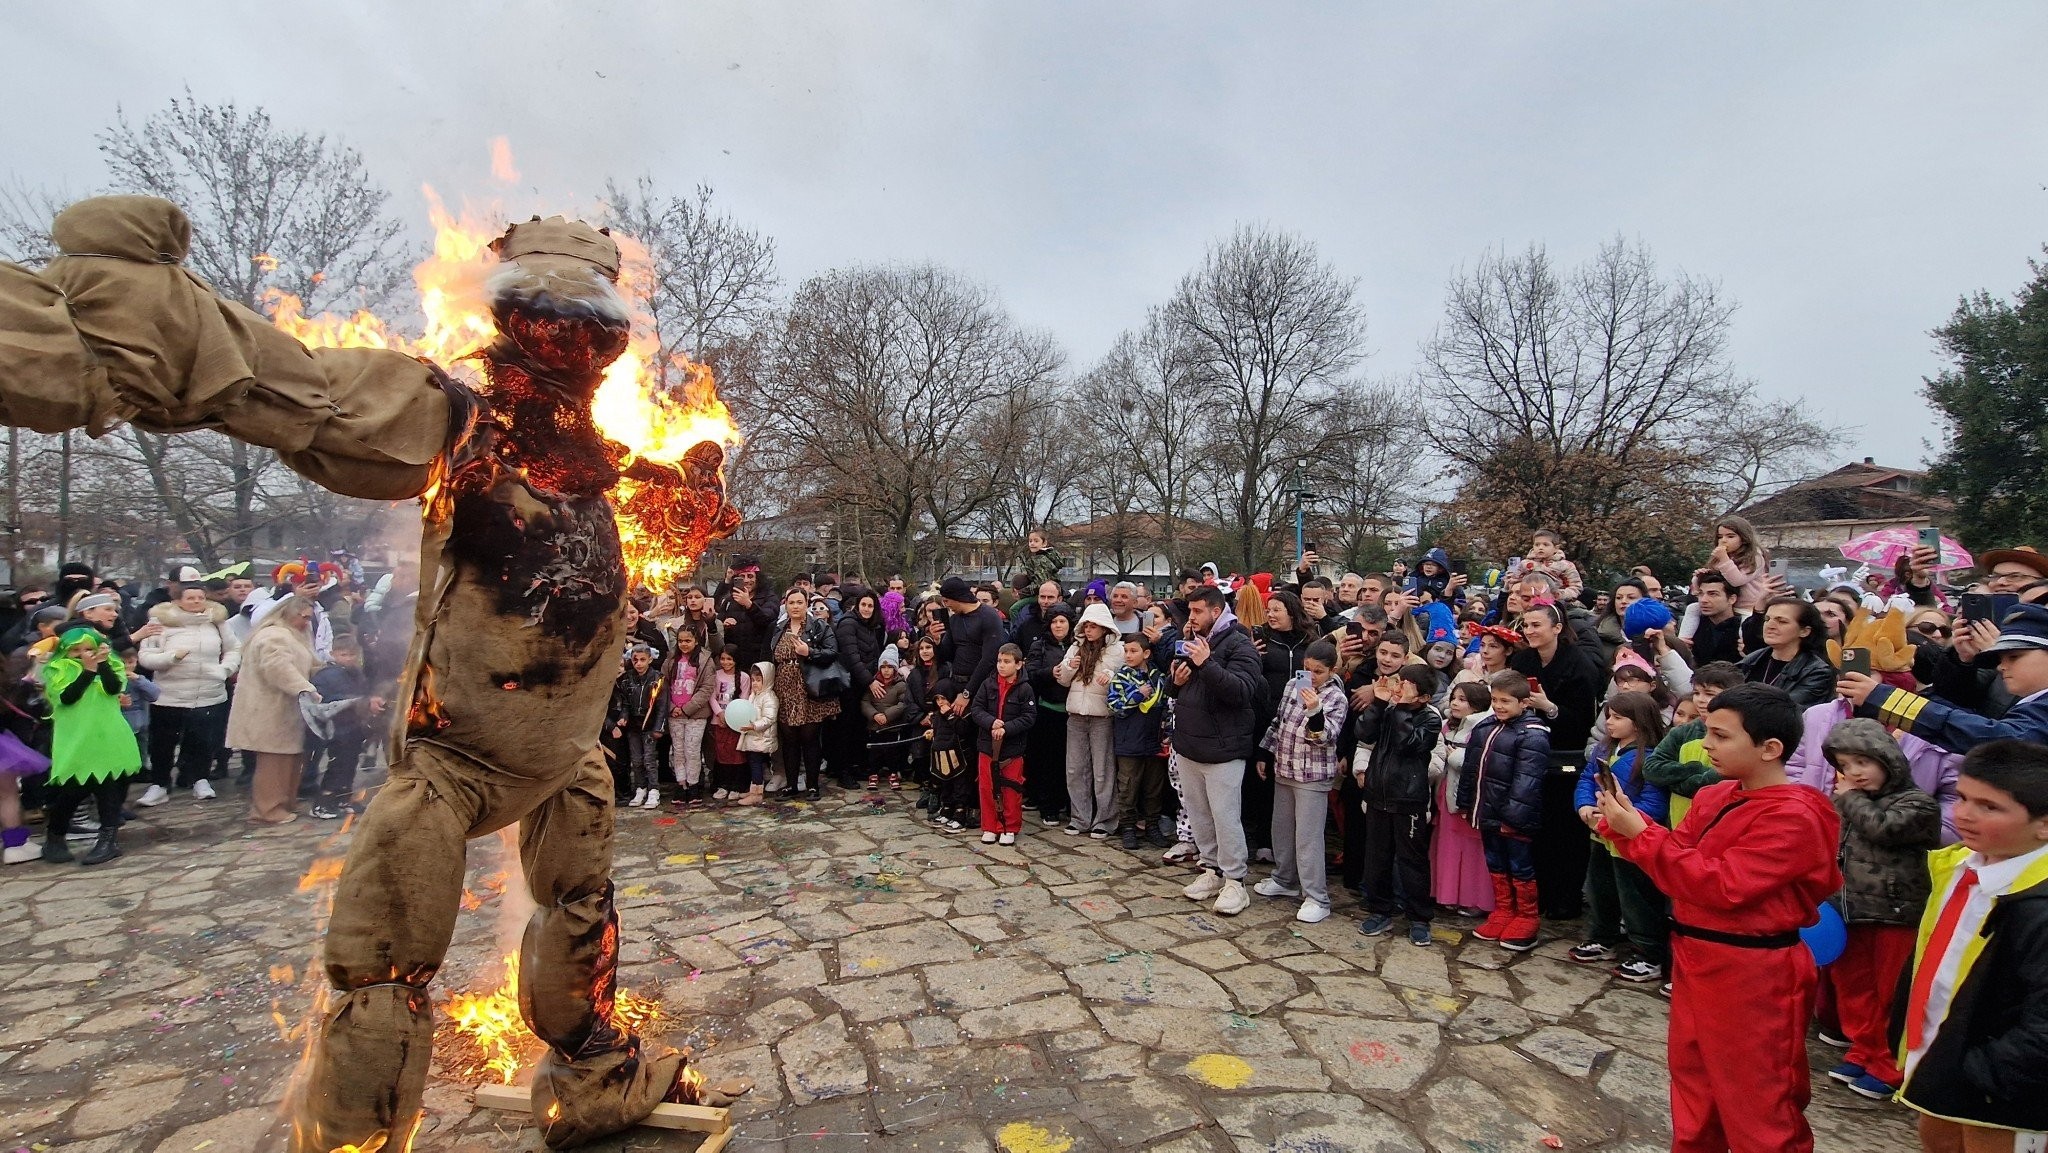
1457	859
1975	1024
93	753
1004	710
1889	825
951	733
1745	870
1501	792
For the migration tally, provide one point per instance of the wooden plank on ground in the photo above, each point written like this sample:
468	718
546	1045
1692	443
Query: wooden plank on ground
690	1118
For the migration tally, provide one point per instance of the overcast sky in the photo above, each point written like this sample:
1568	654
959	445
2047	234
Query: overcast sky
1844	171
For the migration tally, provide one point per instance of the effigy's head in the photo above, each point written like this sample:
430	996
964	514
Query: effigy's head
555	296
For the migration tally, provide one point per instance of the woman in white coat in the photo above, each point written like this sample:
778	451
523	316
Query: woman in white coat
1091	661
191	661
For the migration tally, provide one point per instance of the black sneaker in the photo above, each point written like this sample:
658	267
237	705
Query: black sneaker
811	794
1130	840
1833	1037
327	812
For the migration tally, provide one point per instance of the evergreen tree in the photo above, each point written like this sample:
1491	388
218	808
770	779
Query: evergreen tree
1994	454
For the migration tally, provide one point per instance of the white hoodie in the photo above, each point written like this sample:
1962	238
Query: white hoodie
211	654
1089	696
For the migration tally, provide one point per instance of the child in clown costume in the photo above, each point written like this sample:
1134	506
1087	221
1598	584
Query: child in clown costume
92	751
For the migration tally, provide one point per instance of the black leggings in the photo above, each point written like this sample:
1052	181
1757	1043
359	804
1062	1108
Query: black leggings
807	742
62	800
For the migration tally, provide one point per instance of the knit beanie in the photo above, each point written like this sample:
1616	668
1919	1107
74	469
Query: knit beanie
1644	615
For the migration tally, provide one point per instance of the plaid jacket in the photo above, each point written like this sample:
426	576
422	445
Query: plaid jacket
1304	744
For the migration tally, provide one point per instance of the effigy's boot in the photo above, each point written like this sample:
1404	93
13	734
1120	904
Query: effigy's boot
596	1077
394	914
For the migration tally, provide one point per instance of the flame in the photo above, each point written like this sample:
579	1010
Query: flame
657	406
484	1035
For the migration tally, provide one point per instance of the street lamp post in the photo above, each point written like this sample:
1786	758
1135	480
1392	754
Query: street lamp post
1296	488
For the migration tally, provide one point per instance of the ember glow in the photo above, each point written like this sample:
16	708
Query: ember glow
657	408
482	1036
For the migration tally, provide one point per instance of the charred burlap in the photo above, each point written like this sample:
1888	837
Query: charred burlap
510	671
116	329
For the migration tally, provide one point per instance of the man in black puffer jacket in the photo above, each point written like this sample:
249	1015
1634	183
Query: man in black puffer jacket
1216	678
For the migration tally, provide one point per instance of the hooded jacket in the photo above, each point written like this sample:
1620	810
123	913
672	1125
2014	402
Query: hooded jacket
1501	787
1043	657
1089	696
211	655
1933	768
1137	702
1435	584
1216	717
1886	835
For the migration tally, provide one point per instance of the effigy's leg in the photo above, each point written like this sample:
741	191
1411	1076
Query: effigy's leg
595	1078
394	914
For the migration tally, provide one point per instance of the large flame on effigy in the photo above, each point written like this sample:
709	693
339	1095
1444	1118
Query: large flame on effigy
658	409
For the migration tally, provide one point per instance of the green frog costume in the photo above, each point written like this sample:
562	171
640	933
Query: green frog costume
92	750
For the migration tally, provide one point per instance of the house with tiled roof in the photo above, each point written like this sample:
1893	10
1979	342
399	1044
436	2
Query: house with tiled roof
1813	517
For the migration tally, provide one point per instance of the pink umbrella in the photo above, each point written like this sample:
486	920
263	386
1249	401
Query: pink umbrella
1883	548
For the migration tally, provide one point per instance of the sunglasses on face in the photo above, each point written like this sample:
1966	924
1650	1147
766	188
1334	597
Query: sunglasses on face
31	602
1932	630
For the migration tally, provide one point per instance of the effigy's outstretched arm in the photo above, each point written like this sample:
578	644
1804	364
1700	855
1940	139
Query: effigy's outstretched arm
115	330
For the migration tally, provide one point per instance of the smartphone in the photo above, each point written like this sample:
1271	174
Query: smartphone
1780	566
1535	686
1604	777
1646	649
1856	661
1180	648
1356	629
1930	537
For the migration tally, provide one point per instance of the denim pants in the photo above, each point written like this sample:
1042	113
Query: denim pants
1510	855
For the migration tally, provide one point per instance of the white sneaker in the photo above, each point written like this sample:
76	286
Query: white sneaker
1007	839
1271	887
639	799
1179	852
153	796
1233	899
1205	886
653	800
1311	912
202	790
988	838
21	854
1074	830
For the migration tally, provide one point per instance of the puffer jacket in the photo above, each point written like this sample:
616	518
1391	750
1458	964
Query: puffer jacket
1215	716
860	644
1089	696
1501	787
211	655
1886	835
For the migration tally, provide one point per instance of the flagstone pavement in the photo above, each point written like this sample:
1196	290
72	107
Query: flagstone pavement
887	986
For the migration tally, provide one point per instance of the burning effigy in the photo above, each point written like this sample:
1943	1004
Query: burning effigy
524	571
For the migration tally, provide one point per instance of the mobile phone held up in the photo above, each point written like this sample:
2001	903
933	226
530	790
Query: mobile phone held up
1856	661
1603	775
1930	537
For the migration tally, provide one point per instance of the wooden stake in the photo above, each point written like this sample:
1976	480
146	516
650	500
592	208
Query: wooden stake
715	1123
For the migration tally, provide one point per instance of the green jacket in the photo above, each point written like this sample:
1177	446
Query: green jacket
1680	767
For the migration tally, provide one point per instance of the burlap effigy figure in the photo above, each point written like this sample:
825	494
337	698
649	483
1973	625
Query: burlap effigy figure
517	633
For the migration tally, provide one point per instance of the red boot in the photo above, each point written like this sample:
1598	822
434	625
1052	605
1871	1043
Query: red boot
1521	933
1503	910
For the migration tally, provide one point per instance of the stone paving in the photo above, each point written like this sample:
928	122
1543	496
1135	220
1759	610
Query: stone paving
888	987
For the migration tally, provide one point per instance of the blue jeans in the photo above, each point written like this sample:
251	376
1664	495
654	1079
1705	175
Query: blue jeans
1516	858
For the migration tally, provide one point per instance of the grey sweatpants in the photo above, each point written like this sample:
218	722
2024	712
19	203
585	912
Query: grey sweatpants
1214	795
1300	809
1091	774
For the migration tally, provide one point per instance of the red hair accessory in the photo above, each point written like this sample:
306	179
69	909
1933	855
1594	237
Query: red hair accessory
1501	633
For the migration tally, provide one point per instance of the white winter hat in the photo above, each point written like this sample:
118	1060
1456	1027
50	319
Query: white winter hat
1099	614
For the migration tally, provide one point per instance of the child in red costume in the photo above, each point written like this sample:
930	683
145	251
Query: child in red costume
1745	870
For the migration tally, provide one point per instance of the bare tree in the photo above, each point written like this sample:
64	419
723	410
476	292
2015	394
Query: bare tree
1582	400
1270	332
273	211
1144	395
896	390
1372	473
1767	446
712	281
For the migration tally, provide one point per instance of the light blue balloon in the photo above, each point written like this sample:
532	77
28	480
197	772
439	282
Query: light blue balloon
739	714
1827	937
